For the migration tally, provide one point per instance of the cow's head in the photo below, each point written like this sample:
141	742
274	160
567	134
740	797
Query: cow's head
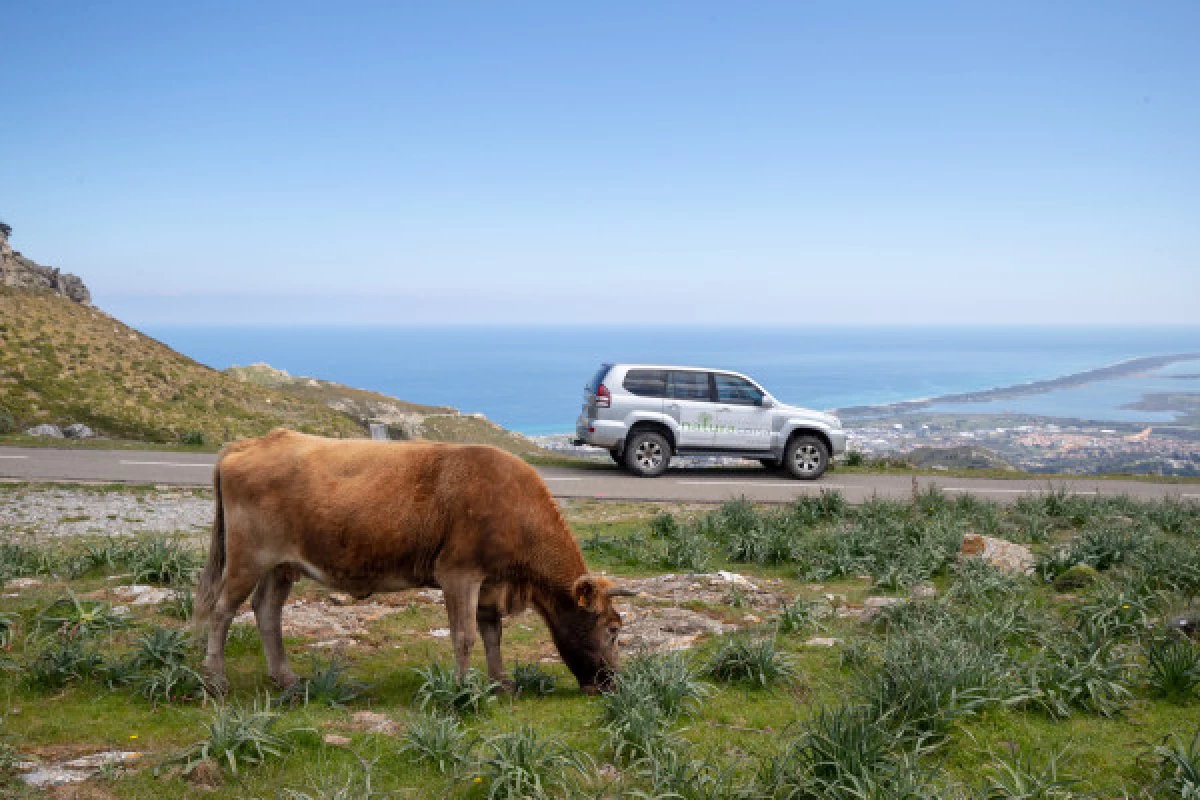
586	632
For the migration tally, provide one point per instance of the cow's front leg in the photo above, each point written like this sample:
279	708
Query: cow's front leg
462	600
491	628
268	602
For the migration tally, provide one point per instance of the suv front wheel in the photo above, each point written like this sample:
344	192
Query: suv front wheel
647	454
806	458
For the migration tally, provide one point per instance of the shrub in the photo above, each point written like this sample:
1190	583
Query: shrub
1105	547
193	438
1173	666
520	765
8	423
329	685
442	690
754	661
1115	610
854	458
437	739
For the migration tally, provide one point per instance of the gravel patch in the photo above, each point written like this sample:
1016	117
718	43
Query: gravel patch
60	512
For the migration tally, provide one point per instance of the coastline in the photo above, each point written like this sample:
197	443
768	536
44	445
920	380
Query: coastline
1120	369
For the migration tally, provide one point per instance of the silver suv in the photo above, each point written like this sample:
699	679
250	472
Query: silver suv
643	414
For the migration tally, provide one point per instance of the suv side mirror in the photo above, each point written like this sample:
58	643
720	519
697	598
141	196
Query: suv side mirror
767	402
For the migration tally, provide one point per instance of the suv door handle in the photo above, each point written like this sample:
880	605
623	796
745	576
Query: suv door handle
724	408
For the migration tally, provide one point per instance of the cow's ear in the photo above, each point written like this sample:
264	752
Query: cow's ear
590	591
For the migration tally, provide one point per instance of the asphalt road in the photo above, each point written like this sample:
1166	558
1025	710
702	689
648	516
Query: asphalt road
701	485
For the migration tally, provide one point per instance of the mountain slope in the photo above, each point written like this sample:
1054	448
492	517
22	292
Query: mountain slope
63	362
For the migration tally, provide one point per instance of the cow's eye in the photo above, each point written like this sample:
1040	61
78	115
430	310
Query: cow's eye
613	630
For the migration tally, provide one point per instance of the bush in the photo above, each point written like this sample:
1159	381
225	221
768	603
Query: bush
8	423
193	438
1078	576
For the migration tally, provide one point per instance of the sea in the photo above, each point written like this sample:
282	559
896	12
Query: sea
530	378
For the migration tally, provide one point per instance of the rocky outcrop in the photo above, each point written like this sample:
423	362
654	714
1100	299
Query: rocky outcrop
16	270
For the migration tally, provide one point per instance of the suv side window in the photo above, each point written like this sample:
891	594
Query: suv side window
646	382
689	386
736	391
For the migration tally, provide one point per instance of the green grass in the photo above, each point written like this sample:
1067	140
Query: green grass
942	693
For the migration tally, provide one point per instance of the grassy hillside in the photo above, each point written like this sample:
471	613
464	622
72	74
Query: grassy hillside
404	420
61	362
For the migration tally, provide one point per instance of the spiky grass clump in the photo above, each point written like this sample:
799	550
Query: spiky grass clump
439	740
521	765
237	737
1078	671
8	629
169	683
758	662
1173	667
532	680
162	561
84	617
673	772
442	690
328	685
159	647
1028	778
801	616
1177	767
649	694
976	581
63	658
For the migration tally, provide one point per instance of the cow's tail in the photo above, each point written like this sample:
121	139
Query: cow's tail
213	575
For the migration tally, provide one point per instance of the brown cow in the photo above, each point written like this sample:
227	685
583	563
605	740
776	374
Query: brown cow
366	517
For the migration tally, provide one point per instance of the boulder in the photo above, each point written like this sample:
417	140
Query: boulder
1007	556
53	431
78	430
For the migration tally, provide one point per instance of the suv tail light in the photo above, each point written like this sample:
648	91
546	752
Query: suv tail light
603	398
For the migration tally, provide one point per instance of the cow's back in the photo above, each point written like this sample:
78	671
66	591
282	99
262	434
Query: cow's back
377	516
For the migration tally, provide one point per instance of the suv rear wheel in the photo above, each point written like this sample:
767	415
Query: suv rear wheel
806	458
647	454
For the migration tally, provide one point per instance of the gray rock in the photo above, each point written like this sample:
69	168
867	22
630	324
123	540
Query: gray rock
53	431
77	430
1009	557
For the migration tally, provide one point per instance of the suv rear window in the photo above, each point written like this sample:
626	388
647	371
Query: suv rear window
689	386
598	378
646	382
736	391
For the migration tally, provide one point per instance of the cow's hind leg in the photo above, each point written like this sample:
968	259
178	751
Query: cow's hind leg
491	628
268	600
462	599
235	588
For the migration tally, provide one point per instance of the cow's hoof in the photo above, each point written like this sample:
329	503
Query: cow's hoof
216	685
286	680
505	685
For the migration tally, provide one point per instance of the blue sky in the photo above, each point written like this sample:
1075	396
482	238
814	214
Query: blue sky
784	163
